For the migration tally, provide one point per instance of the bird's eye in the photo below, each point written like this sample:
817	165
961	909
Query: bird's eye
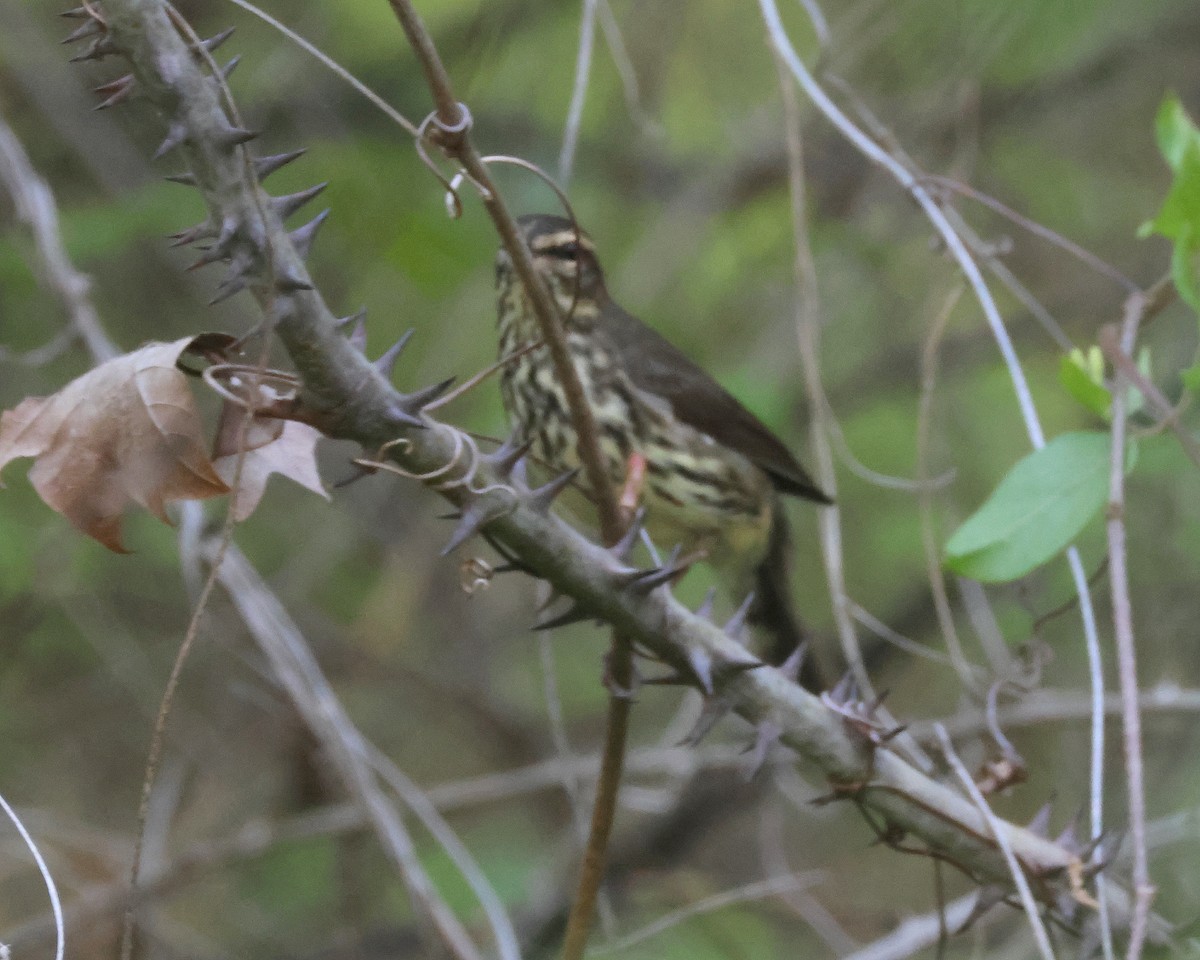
567	251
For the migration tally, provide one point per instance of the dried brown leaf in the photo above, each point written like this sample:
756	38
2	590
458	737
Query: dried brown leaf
126	431
272	446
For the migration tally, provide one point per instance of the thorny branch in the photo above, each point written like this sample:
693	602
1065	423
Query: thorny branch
353	400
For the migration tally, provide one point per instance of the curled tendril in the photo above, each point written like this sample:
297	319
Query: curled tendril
219	375
466	451
454	205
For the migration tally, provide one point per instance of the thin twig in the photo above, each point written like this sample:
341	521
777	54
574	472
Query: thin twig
929	538
954	243
1014	865
808	332
1123	634
772	887
583	72
298	672
1082	254
332	64
47	878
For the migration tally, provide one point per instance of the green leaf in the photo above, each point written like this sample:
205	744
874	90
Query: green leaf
1036	511
1080	381
1184	267
1174	130
1191	377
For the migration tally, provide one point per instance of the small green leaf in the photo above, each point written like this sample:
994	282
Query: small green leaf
1078	376
1191	377
1184	267
1036	511
1174	130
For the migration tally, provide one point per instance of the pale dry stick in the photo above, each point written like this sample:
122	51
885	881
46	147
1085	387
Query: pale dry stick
626	71
248	842
583	73
1122	612
297	670
1020	881
808	333
771	842
36	207
761	890
917	933
1063	706
895	638
929	538
425	810
47	878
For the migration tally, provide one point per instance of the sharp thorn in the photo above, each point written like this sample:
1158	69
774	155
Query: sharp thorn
504	457
265	166
176	134
358	333
225	290
790	667
302	237
398	415
231	136
82	32
212	43
419	399
287	280
624	547
234	281
545	495
845	690
187	179
227	70
733	627
192	234
387	360
476	516
766	736
576	614
99	48
646	581
78	13
705	609
1040	824
701	665
714	709
738	660
519	474
356	317
286	205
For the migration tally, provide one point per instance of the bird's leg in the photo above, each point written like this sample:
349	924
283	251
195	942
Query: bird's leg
631	493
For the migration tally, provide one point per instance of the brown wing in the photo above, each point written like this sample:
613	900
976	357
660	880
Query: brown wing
658	367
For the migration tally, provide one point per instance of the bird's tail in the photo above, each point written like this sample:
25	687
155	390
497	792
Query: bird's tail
773	609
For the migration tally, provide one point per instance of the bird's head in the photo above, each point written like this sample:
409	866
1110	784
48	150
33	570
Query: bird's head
564	256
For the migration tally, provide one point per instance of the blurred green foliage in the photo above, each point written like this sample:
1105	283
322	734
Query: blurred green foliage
1048	106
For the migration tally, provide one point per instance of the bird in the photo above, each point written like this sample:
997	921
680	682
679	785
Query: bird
715	474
